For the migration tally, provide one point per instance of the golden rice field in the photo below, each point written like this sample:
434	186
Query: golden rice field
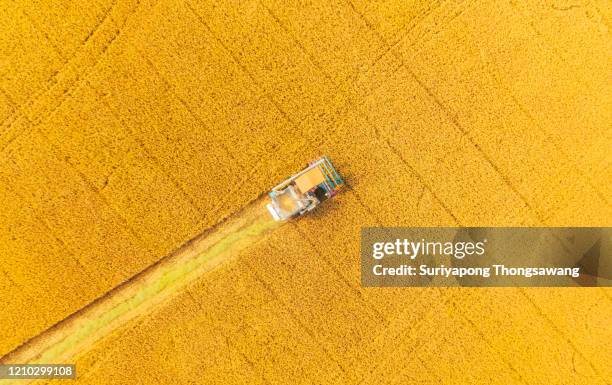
129	127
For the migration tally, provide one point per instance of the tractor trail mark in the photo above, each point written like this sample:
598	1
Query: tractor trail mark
141	294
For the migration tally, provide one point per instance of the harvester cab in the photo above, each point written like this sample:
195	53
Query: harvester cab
305	190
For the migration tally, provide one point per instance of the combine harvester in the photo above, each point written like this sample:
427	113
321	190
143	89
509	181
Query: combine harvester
305	190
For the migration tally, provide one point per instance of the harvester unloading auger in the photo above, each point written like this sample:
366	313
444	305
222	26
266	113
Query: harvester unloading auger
305	190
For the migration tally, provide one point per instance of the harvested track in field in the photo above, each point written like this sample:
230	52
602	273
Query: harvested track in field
74	335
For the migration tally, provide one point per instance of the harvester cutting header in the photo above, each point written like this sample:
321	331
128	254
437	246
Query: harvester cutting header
305	190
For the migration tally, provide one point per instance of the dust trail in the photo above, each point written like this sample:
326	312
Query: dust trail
76	334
